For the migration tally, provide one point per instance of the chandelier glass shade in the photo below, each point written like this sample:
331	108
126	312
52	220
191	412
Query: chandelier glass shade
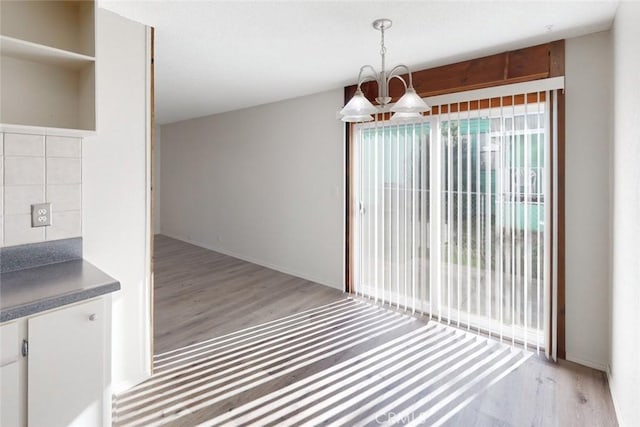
403	117
360	109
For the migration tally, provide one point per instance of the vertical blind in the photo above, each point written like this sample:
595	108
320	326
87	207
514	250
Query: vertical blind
452	213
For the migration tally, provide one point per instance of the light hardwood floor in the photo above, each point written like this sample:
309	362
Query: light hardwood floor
240	344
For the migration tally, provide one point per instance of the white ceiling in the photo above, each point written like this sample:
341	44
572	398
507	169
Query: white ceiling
214	56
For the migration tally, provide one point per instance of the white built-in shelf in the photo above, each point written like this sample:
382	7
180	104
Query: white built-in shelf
63	24
47	66
28	51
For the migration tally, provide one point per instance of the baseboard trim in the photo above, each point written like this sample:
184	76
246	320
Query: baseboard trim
124	386
613	397
595	365
256	261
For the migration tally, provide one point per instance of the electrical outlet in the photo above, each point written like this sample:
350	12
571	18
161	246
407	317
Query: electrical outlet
41	215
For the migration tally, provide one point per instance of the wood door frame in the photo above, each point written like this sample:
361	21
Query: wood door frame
517	66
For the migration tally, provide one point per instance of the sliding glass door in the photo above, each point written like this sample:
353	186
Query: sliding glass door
392	225
451	213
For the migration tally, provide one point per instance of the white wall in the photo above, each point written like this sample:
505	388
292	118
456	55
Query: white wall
264	184
115	215
157	153
588	139
624	377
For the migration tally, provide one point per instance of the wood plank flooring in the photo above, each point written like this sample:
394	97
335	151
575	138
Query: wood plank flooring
239	344
200	294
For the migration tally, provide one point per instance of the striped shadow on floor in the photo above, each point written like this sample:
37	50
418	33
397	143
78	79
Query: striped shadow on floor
345	363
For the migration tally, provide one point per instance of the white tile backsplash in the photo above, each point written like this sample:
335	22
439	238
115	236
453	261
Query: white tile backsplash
65	225
64	171
16	144
19	198
65	197
60	146
23	170
18	230
35	169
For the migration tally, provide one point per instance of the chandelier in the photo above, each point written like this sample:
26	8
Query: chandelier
409	106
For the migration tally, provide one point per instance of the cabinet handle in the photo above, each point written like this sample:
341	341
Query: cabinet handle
25	348
93	317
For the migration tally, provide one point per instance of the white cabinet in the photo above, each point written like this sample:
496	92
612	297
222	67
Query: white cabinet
47	66
9	398
10	384
67	369
64	379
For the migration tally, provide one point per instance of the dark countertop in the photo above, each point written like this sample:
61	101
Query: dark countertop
33	290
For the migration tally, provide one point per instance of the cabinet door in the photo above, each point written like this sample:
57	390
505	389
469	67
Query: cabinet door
9	376
66	379
9	397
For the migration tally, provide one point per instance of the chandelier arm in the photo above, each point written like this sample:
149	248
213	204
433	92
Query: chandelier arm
367	77
395	69
399	78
